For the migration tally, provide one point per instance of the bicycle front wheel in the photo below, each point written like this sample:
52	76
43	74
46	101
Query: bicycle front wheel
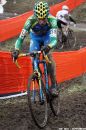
37	101
71	39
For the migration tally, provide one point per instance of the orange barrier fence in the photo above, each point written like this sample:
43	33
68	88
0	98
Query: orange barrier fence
12	79
11	27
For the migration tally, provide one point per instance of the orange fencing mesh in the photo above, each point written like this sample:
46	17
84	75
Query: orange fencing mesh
12	26
12	79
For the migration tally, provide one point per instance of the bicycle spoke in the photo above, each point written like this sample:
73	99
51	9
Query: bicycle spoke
37	106
71	39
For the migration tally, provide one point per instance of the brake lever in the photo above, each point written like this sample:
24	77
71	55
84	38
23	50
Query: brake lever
16	63
46	58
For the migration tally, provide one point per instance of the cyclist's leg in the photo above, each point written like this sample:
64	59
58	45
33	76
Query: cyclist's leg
52	71
53	88
59	24
60	30
64	24
34	42
60	34
34	45
51	66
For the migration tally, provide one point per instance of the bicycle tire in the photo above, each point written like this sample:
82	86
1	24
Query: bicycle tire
55	104
36	108
71	39
60	44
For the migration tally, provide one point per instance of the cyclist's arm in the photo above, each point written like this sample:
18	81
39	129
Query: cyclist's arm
19	41
71	19
53	33
22	35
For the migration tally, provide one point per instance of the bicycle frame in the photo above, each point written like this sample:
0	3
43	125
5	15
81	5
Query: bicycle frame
36	63
67	28
66	36
38	98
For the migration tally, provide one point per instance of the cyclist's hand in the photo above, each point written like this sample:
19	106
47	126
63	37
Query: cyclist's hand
46	49
15	55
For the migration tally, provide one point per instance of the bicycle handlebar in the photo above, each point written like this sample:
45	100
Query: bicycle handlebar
32	54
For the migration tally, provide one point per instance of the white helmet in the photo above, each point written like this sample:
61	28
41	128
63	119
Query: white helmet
65	7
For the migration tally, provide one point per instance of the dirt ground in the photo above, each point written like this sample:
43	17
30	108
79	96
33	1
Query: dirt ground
14	113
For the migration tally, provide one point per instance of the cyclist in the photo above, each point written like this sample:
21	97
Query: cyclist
42	27
63	18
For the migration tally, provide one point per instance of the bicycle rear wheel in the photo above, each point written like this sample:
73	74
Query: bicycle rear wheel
60	44
37	104
54	101
71	39
55	104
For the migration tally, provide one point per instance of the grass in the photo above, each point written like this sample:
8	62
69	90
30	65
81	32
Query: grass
22	6
8	45
79	13
76	88
73	86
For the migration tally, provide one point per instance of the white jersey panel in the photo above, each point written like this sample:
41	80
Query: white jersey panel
61	15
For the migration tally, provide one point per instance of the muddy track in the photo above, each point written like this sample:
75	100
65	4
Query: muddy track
14	114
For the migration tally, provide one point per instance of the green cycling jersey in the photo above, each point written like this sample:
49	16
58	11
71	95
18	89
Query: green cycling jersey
32	25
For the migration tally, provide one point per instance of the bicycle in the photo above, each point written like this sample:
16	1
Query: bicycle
38	91
66	37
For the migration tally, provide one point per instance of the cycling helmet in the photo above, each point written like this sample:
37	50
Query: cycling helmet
65	7
41	9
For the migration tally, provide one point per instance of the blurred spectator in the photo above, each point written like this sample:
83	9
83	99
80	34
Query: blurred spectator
59	1
14	1
2	2
1	9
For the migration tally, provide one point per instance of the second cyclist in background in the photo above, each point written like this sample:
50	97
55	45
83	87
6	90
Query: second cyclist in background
64	18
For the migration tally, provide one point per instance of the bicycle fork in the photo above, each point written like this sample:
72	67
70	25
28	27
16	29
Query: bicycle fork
37	74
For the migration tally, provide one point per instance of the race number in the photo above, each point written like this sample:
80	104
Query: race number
53	32
23	33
